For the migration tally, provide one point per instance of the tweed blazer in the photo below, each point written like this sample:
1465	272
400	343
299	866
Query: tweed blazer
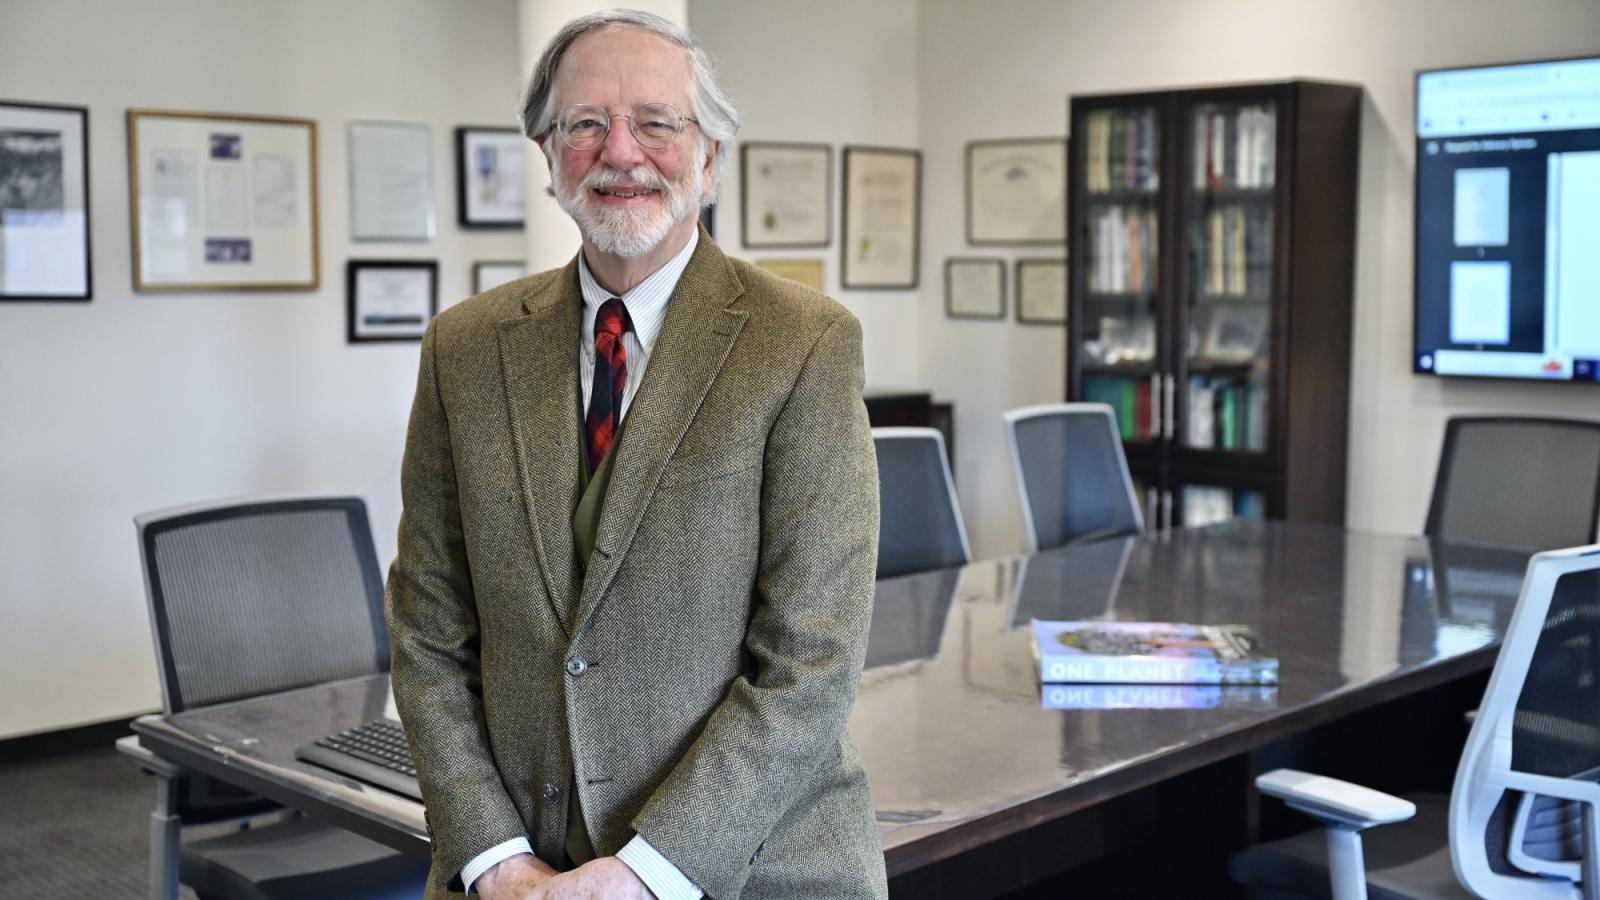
693	681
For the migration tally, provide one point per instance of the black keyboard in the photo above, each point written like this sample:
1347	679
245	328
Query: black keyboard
375	753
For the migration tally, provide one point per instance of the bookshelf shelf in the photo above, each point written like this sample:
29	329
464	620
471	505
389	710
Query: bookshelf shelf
1217	226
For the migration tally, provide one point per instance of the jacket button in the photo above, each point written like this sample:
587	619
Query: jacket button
551	792
576	667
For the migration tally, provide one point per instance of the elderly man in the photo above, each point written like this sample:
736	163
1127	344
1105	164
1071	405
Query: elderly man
630	604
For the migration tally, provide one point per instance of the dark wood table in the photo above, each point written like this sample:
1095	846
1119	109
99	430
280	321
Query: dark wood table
951	720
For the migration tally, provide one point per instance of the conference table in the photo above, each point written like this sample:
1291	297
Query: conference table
965	749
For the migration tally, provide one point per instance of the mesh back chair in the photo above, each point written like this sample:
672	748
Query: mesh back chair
920	520
1521	482
252	598
1072	474
1523	817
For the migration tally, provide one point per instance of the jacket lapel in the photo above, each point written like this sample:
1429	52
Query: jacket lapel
539	362
695	338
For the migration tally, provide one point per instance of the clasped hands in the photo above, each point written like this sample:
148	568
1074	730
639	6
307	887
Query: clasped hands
526	877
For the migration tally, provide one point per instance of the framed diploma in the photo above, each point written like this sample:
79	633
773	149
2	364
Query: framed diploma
391	181
493	273
222	202
1017	191
44	202
490	188
784	194
975	287
882	212
805	271
390	299
1042	291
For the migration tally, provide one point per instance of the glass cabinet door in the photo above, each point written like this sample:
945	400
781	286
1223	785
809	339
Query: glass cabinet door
1120	315
1227	301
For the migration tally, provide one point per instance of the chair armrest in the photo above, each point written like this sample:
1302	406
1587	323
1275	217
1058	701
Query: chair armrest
1334	801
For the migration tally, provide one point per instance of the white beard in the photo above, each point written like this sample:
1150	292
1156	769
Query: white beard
622	231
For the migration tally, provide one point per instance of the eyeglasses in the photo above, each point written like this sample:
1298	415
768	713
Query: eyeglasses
654	125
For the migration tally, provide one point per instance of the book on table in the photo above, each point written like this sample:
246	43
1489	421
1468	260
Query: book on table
1150	653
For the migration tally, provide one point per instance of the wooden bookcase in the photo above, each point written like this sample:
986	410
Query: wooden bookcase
1211	234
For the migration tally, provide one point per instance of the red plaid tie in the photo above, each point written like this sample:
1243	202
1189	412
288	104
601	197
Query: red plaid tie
610	377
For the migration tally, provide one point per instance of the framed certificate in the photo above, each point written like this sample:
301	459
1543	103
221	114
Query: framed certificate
493	273
491	189
391	181
1017	191
975	287
882	213
1042	291
805	271
390	299
784	194
44	202
222	202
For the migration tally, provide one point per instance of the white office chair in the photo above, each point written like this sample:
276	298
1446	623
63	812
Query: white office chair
1071	474
920	524
1524	813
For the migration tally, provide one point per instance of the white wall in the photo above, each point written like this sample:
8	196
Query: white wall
134	402
1005	69
835	72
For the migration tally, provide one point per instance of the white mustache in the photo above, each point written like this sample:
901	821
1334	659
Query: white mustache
642	176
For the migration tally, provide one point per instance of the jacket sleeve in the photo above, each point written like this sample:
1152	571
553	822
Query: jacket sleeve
433	629
807	634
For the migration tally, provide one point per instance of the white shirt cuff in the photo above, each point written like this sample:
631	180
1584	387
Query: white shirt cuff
487	860
657	872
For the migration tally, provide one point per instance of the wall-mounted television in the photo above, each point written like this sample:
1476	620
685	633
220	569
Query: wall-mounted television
1508	221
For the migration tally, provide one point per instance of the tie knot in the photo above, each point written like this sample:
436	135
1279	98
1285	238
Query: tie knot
612	319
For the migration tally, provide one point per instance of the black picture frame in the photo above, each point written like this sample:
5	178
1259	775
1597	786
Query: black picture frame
749	156
999	266
847	278
1042	262
353	269
465	174
10	166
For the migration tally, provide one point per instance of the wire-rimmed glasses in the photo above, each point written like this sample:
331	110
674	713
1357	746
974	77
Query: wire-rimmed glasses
654	125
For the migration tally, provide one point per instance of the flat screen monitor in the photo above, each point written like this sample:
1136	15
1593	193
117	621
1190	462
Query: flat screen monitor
1508	221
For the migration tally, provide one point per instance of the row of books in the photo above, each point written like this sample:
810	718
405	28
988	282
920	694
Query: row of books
1210	504
1121	152
1129	398
1227	414
1234	252
1234	148
1122	257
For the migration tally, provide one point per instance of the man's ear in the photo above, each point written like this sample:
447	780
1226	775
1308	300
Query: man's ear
712	150
544	144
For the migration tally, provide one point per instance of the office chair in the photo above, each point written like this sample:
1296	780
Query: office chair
1071	474
919	517
251	598
1517	481
1523	817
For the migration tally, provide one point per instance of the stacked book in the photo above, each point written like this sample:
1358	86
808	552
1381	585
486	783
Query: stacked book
1227	414
1234	149
1123	250
1235	252
1150	653
1129	399
1121	150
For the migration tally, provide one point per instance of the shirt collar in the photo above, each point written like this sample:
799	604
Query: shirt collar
646	303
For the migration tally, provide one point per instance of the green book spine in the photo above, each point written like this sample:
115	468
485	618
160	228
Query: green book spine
1226	419
1126	405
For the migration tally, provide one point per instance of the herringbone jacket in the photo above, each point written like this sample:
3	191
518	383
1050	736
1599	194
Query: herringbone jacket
694	681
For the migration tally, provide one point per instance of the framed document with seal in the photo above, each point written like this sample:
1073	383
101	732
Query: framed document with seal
784	194
44	202
222	202
1042	291
882	212
390	299
1017	191
975	287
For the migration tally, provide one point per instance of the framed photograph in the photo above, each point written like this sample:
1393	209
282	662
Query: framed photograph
222	202
495	272
1042	291
882	214
1017	191
491	189
806	271
390	299
391	181
44	202
1235	332
785	194
975	287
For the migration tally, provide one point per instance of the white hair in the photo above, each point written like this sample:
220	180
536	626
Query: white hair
709	104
